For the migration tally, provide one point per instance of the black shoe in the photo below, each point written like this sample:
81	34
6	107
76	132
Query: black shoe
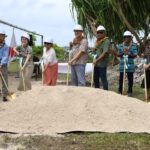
119	92
130	95
5	99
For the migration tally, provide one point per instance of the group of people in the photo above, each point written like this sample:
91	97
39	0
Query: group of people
24	52
26	64
127	51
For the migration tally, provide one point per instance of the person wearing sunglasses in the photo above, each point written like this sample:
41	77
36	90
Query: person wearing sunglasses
100	63
50	72
128	50
78	57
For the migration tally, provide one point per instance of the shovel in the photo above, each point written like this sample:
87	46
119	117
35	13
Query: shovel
68	68
124	76
94	57
144	61
92	75
42	68
145	84
24	87
10	95
20	61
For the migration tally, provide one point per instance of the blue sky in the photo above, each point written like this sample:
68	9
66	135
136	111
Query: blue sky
52	18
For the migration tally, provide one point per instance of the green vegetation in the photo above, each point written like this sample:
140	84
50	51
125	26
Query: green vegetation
116	15
80	141
37	50
59	53
14	66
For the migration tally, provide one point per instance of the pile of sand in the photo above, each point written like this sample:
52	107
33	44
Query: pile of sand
59	109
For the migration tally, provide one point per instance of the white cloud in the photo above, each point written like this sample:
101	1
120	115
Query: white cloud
48	17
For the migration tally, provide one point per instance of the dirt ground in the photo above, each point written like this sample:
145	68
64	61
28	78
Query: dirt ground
76	141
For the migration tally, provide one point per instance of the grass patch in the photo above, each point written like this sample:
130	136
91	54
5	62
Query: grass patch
84	141
13	66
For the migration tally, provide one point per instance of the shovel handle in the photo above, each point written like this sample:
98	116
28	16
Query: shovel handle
4	80
68	68
124	76
24	87
145	85
92	75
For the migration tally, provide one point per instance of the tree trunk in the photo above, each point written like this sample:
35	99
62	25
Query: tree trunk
124	19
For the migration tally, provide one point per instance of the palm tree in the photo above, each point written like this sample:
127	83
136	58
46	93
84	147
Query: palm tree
116	15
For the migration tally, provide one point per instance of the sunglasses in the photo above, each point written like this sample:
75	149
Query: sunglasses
127	37
77	31
47	43
100	32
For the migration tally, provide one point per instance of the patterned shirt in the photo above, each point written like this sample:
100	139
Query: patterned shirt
24	52
83	47
104	46
129	61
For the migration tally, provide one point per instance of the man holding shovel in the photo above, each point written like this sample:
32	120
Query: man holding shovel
4	51
78	57
100	63
127	53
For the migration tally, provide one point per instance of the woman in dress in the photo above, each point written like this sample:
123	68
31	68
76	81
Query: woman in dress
24	51
50	71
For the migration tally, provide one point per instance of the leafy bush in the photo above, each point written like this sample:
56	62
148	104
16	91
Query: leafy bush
37	50
60	53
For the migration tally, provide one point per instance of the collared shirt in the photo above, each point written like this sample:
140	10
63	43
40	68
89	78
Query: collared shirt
4	54
24	51
130	61
49	56
83	47
104	46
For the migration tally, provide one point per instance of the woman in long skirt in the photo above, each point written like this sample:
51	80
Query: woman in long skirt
50	72
24	51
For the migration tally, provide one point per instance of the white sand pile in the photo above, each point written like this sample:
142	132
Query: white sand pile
49	110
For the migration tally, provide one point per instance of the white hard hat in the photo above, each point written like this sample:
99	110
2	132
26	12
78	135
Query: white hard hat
26	35
78	28
2	32
127	33
48	40
101	28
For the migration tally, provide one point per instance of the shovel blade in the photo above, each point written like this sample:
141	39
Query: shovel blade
11	97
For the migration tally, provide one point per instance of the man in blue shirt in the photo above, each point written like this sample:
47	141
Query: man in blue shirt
127	51
4	52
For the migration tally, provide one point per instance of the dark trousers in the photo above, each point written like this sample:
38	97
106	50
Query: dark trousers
100	73
4	72
130	81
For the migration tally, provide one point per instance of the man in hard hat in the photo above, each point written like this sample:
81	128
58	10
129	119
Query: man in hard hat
101	49
4	52
127	53
78	57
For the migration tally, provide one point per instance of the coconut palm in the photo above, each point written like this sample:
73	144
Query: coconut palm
116	15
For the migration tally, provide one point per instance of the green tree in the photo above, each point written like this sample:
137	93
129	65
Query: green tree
116	15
